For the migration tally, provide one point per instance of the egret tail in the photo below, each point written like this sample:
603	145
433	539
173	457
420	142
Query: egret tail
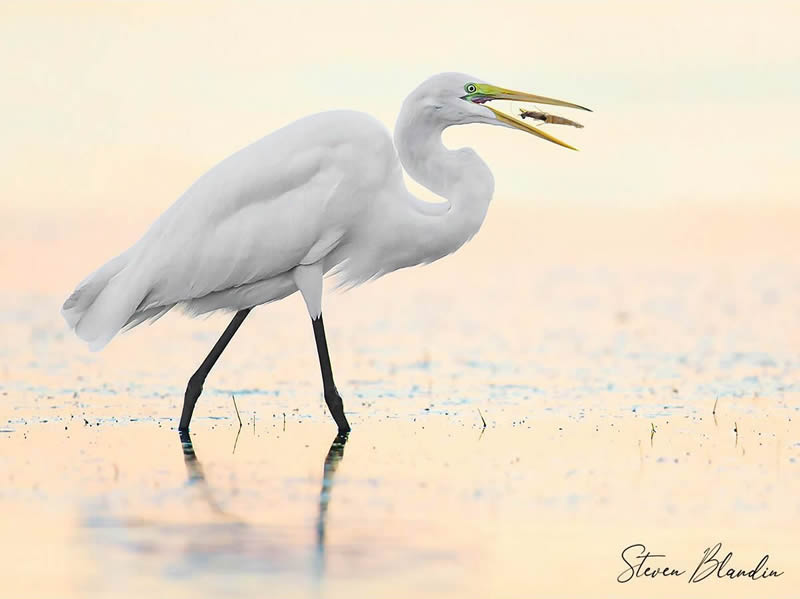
104	302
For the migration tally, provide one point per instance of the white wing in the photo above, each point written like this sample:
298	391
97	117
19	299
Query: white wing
285	200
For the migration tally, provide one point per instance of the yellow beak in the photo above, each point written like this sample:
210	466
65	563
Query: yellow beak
499	93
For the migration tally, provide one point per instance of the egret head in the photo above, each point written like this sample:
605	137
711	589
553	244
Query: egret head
458	99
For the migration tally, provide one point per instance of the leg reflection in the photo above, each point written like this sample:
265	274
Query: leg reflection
332	460
195	473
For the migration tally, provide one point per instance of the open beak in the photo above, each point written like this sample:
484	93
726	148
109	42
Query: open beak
499	93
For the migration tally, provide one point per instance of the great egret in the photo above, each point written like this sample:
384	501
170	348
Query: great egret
323	195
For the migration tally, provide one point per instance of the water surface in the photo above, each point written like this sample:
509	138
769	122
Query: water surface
595	366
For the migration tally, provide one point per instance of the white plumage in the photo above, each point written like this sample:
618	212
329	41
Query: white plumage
324	194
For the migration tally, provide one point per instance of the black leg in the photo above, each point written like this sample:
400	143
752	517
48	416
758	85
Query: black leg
195	386
332	397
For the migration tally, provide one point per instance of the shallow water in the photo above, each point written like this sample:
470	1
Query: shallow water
596	356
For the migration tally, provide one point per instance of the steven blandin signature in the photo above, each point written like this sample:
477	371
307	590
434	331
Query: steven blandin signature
643	564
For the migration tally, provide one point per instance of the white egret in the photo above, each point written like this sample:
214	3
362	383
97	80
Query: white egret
323	195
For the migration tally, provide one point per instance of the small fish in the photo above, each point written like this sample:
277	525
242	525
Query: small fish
548	118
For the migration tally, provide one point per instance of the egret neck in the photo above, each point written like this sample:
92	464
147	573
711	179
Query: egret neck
460	176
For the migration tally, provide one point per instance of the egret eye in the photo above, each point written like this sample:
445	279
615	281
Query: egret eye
470	87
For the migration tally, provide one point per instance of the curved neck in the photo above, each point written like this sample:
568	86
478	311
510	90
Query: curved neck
459	176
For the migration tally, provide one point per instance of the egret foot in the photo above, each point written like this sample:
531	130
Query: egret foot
193	390
336	406
186	442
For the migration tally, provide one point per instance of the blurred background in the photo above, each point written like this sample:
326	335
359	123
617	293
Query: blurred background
114	108
633	283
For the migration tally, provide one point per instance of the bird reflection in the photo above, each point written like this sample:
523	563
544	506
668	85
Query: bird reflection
197	478
332	461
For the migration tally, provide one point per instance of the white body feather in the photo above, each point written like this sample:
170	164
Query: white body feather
323	194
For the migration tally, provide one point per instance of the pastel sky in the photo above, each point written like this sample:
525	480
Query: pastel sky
111	109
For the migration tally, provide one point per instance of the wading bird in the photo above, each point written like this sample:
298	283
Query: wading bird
323	195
